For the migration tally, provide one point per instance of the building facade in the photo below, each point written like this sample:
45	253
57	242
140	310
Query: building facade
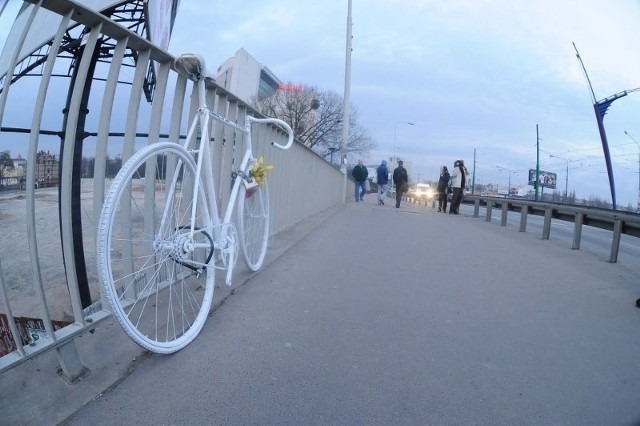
47	169
247	78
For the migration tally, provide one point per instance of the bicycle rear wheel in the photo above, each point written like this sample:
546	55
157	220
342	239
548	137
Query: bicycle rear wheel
253	224
157	279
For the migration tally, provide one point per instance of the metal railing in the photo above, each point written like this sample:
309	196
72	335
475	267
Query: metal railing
48	281
615	221
618	222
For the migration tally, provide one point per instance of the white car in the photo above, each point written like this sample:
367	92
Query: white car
423	191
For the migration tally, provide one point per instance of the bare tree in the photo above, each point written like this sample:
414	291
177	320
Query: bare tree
316	119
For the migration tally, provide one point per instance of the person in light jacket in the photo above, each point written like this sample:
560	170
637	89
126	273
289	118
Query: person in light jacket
459	176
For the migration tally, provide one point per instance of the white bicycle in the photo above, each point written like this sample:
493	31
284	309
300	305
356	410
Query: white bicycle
160	238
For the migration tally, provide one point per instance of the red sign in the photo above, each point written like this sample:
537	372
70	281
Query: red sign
291	87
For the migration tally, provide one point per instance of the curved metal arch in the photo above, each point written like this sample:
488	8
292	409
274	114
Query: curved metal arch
600	108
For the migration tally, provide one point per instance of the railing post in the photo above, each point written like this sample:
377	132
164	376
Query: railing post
577	231
489	212
505	209
546	229
524	210
69	360
615	243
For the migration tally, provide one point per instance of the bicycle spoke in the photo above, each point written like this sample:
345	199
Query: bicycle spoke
152	265
253	221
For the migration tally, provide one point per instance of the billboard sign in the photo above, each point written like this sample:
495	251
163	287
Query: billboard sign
161	15
545	179
291	87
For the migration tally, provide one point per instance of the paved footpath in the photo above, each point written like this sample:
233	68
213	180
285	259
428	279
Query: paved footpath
385	316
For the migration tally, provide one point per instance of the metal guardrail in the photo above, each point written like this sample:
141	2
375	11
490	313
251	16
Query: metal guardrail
615	221
618	222
48	281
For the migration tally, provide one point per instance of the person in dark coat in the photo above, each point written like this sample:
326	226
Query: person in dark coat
401	181
443	184
382	179
360	174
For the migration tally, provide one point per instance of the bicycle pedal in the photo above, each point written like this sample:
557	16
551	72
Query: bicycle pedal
230	268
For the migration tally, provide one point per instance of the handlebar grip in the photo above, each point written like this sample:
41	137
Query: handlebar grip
280	123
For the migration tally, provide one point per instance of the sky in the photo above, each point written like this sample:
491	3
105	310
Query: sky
493	82
475	77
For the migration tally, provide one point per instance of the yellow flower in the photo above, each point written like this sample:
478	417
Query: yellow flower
259	171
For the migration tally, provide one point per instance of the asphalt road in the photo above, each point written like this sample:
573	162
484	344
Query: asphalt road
405	316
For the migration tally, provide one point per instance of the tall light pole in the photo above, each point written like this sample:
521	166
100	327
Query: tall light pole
638	201
347	95
500	168
393	158
395	133
566	179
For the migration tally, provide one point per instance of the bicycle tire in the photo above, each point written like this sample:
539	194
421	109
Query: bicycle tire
253	224
158	289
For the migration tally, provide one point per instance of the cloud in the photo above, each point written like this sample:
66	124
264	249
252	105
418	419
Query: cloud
471	74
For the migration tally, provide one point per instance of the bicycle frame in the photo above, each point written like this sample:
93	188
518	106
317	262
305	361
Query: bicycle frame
204	170
151	263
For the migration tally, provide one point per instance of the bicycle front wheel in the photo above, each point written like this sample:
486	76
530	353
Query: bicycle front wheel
253	224
156	271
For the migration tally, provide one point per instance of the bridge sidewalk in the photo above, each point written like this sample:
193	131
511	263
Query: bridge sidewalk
371	314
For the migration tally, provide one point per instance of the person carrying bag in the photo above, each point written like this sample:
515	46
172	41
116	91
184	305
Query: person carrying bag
401	181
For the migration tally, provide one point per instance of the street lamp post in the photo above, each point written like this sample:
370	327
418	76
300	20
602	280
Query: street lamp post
638	201
346	104
500	168
393	158
566	178
395	133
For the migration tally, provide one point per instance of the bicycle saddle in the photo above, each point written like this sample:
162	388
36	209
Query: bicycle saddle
190	65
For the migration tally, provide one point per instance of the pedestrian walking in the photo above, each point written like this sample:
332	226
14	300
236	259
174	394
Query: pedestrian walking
360	174
382	179
458	181
443	184
401	181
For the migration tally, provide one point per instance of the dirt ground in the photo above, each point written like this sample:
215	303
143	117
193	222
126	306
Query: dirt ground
17	266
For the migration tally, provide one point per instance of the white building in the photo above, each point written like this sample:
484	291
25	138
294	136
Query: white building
247	78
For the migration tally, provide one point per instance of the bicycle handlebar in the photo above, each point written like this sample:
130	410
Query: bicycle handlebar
280	123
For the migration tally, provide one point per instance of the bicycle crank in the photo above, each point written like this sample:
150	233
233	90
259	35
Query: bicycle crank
227	247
